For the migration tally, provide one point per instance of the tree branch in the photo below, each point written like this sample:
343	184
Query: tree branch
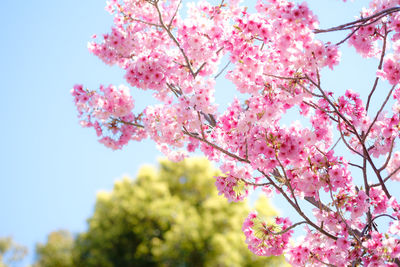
357	135
378	113
299	211
195	136
287	229
189	66
376	217
379	67
360	22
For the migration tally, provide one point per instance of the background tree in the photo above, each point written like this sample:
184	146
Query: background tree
57	252
172	216
11	252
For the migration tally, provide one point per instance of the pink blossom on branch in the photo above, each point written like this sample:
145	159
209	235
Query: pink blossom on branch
275	57
109	112
266	239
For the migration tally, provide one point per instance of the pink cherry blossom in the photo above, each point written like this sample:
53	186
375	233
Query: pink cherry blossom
275	59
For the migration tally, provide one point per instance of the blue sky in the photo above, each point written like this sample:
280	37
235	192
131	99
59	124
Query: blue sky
50	167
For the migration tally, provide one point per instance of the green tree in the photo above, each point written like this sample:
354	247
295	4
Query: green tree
11	252
172	216
57	251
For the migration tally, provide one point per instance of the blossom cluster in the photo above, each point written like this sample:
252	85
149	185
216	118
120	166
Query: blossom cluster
265	239
233	185
109	112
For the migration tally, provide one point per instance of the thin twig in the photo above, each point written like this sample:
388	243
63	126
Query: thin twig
345	142
359	22
199	69
285	78
318	204
379	112
254	184
224	68
341	215
379	67
173	17
299	211
173	89
215	10
393	173
315	256
378	175
129	123
287	181
195	136
337	142
313	105
201	126
348	36
188	65
388	157
354	165
287	229
376	217
145	22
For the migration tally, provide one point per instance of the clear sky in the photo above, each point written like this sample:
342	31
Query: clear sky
50	167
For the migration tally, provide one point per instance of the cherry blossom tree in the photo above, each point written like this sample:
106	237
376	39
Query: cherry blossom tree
276	57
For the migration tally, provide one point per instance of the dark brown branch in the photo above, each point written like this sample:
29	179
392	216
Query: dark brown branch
337	142
314	106
348	36
360	22
224	68
287	229
342	217
379	67
129	123
173	17
145	22
379	112
254	184
287	181
317	204
210	119
217	8
345	142
201	126
378	175
367	187
376	217
354	165
199	69
174	90
315	256
285	78
299	211
388	157
393	173
196	136
188	65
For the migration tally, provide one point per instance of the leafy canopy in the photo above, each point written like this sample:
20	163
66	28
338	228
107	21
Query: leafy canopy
172	216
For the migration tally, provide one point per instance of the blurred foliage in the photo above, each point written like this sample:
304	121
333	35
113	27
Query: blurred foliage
57	251
172	216
10	252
